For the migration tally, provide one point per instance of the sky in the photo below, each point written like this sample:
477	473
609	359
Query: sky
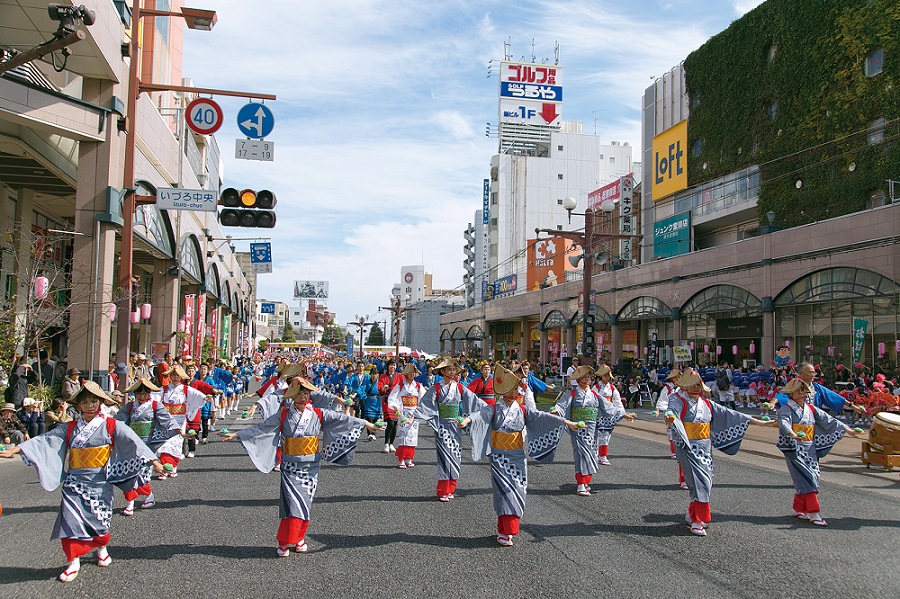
380	146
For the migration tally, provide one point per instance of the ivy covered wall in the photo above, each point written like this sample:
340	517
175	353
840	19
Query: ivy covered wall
785	87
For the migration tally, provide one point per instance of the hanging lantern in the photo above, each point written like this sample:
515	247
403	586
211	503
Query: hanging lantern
705	349
112	312
881	349
692	346
41	287
787	343
734	349
181	326
646	351
753	348
145	311
718	350
135	317
897	345
830	351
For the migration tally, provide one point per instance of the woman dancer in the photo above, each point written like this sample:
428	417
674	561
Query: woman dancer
402	402
100	454
296	430
609	412
581	404
805	434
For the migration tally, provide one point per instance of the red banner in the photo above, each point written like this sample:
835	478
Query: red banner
189	301
201	326
214	331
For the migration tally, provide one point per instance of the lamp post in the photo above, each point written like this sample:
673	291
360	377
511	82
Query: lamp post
198	19
586	240
397	311
361	324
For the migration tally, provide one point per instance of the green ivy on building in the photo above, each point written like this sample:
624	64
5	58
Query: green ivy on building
785	87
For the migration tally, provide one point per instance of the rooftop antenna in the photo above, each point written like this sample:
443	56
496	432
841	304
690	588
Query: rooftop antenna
556	53
533	59
507	49
596	118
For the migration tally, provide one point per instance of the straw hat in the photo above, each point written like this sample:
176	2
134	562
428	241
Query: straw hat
602	370
179	371
794	385
446	363
673	375
297	384
582	371
8	406
505	381
141	382
293	369
689	379
90	389
410	369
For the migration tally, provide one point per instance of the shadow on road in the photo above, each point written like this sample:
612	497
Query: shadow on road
12	575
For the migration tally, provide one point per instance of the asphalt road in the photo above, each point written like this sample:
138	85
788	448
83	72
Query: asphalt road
378	531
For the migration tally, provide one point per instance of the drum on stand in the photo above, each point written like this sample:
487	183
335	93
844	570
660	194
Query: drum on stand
884	436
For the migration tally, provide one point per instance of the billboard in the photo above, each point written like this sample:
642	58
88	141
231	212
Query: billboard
548	261
310	289
530	94
507	284
669	161
672	236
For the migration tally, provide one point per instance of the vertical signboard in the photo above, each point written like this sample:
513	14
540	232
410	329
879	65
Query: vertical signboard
669	161
860	326
226	335
626	214
200	327
214	332
189	301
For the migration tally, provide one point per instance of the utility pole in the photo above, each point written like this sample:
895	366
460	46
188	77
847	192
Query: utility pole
397	311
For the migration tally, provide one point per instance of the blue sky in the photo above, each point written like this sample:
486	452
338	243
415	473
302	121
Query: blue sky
379	138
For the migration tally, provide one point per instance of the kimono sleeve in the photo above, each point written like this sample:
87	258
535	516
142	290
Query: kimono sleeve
828	431
47	453
322	399
563	404
195	400
479	430
394	402
544	432
826	398
470	403
340	433
261	441
727	429
539	385
427	408
269	404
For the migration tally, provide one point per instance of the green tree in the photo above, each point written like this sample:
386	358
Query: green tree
332	334
262	344
376	335
288	335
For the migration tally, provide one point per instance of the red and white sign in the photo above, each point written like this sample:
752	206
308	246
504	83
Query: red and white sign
188	324
204	116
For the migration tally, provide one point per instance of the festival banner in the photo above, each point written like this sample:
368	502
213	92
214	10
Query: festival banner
189	303
200	328
214	331
860	326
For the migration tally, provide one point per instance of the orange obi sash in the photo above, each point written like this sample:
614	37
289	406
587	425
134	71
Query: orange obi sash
696	430
89	457
176	408
805	428
301	445
410	400
500	440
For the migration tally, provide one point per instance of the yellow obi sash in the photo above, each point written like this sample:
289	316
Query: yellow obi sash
301	445
696	430
176	408
410	400
500	440
448	410
89	457
142	428
806	428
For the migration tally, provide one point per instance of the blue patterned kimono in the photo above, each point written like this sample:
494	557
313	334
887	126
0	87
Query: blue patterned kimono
440	406
581	405
609	413
802	457
727	430
509	471
300	473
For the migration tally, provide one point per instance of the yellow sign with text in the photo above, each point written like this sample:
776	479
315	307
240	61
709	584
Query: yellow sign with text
670	161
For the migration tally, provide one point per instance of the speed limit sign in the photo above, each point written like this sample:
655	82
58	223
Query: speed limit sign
203	116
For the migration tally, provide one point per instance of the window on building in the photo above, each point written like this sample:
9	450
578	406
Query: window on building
559	227
559	176
493	222
876	131
697	147
612	159
874	62
494	198
559	202
773	110
560	148
601	157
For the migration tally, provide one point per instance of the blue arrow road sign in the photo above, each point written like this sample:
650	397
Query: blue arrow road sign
261	257
267	308
255	120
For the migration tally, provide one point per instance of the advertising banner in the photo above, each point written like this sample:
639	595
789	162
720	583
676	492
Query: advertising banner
310	289
507	284
669	161
548	261
186	344
860	326
158	350
200	326
672	236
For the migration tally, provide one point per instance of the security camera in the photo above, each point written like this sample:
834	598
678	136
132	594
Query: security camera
67	15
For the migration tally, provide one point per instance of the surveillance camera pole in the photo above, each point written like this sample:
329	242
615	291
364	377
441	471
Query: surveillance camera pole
587	239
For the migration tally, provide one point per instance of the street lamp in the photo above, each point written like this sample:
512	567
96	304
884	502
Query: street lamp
397	313
198	19
361	324
586	240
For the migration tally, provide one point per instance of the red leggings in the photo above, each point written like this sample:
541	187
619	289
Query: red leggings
583	479
446	487
699	512
406	452
76	548
291	531
142	490
603	451
167	458
508	525
807	503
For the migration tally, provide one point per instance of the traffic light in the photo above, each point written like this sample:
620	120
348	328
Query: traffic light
247	208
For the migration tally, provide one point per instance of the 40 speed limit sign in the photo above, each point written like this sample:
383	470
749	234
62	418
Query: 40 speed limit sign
203	116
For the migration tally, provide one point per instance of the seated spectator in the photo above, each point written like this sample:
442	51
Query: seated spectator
60	412
32	416
11	429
